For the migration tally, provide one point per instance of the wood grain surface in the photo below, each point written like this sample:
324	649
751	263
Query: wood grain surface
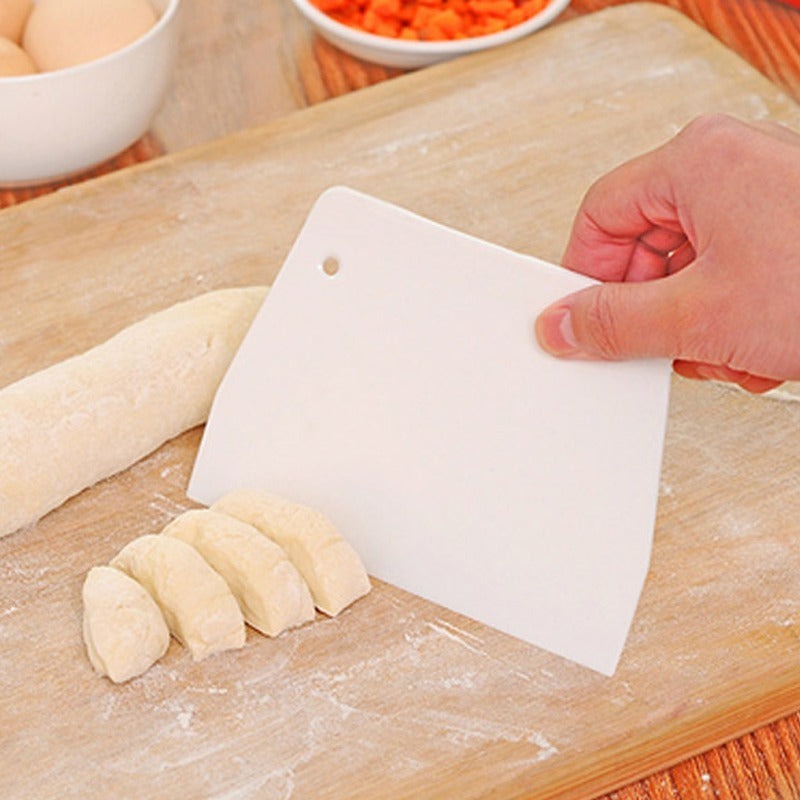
763	764
266	63
243	65
398	698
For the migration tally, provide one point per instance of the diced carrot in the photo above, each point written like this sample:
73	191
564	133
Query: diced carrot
406	12
433	33
531	7
431	19
369	21
422	18
386	8
494	25
494	8
330	5
390	28
448	22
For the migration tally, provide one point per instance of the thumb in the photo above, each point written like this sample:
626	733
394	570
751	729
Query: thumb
616	321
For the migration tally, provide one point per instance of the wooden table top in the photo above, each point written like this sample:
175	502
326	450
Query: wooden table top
240	70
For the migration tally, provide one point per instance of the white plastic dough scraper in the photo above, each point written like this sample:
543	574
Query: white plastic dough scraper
392	380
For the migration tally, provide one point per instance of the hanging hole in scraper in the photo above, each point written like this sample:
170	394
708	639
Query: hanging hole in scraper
330	266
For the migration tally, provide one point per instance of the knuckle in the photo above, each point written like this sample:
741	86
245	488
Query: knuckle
708	123
714	132
703	324
602	329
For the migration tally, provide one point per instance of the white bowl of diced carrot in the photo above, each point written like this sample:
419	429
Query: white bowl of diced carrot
415	33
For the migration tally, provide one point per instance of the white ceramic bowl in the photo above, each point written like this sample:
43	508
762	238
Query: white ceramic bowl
412	54
56	124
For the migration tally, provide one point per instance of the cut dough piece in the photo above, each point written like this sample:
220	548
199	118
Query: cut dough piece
123	628
271	593
196	602
70	425
330	566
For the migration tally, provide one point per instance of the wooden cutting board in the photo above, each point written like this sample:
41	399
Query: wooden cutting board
398	698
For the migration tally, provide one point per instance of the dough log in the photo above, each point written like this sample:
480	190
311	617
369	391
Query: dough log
330	566
271	593
123	628
68	426
196	602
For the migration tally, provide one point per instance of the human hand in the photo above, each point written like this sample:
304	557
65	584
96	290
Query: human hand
698	246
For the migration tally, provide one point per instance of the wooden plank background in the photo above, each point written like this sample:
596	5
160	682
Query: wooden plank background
764	763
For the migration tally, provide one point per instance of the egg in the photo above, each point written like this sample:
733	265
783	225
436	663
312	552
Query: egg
14	61
63	33
13	15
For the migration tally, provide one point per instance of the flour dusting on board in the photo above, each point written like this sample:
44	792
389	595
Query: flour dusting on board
450	632
395	711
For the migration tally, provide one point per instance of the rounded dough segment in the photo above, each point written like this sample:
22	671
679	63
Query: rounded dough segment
271	593
199	608
330	566
123	628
